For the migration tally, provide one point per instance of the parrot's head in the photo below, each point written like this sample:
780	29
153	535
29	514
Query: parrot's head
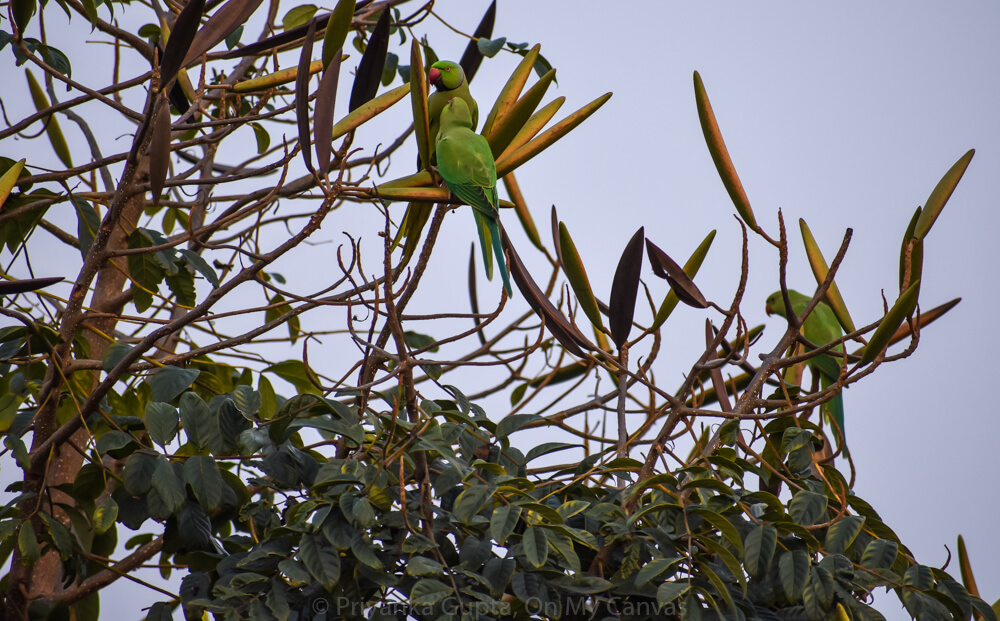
775	304
456	113
446	75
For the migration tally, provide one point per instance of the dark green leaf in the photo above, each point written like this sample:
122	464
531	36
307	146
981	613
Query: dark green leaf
794	569
138	473
758	549
806	507
428	592
168	382
841	535
247	401
536	545
27	543
168	486
114	354
200	265
879	554
503	521
669	591
87	223
202	474
105	515
161	422
321	561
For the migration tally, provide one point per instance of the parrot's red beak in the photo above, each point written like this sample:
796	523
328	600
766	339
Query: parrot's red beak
767	310
434	76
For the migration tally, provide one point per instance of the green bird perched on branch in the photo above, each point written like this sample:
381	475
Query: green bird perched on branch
465	162
450	81
819	328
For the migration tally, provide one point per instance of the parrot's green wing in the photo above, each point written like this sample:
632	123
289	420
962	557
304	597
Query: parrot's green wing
820	327
466	164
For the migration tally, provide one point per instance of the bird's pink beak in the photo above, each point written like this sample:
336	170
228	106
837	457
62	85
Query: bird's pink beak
434	75
767	310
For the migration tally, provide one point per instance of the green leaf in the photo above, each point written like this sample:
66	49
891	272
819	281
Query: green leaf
471	501
841	535
902	309
138	474
60	535
168	486
654	568
168	382
196	418
161	422
546	448
503	521
87	223
200	265
263	138
669	591
940	195
490	48
114	354
793	567
202	474
27	543
428	592
145	271
322	561
247	401
512	423
423	566
536	545
336	29
806	507
794	438
181	284
723	525
577	276
105	515
879	554
298	16
758	549
295	572
720	154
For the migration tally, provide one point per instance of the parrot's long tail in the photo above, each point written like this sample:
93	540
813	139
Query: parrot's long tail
498	251
482	227
834	409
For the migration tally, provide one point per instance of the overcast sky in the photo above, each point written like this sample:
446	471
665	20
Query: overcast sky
846	115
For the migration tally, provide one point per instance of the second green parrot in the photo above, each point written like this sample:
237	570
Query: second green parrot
465	162
450	81
820	327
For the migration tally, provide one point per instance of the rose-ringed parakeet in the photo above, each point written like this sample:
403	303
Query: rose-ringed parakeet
450	81
819	328
465	162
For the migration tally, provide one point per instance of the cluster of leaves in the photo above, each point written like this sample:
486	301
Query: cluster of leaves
394	494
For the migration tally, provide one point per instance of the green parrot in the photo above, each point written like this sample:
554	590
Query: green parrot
820	328
450	81
465	162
